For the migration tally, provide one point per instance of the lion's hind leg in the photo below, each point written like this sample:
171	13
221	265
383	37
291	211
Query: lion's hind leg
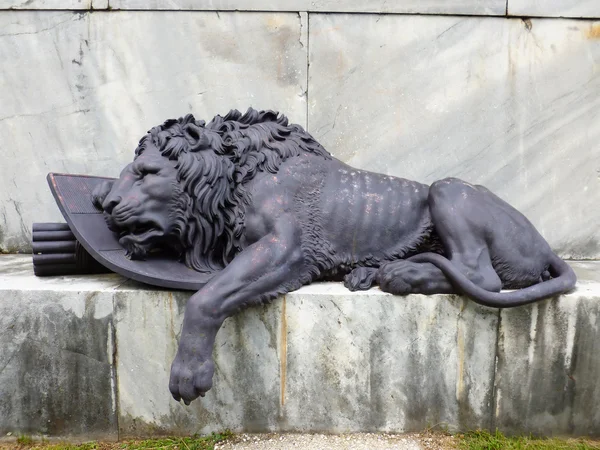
403	277
461	220
400	277
417	276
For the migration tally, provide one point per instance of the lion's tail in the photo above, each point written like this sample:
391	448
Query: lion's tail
563	281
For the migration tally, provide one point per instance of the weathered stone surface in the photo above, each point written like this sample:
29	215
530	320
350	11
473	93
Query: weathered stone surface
549	364
319	359
315	361
77	98
554	8
53	4
475	7
57	375
246	392
483	7
509	104
371	361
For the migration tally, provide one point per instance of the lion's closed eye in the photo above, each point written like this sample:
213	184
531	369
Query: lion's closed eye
143	170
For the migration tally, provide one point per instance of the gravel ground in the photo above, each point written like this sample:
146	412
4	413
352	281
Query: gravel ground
358	441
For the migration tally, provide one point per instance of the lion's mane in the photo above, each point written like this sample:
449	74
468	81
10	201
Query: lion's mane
214	162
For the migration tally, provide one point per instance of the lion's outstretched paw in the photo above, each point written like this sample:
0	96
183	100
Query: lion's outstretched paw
360	279
190	379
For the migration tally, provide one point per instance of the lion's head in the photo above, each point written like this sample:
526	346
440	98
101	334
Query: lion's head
184	191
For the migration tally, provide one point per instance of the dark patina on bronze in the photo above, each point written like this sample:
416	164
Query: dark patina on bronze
255	207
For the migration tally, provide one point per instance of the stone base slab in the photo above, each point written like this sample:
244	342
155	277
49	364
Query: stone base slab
89	356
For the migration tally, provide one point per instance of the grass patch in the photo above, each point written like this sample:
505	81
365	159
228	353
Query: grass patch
170	443
187	443
483	440
24	440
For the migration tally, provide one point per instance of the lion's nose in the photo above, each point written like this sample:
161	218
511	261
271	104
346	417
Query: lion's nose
110	202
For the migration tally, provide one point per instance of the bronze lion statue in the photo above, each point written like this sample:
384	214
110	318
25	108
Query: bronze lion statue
262	205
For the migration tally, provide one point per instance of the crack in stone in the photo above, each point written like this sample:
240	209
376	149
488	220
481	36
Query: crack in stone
52	110
449	28
8	362
38	31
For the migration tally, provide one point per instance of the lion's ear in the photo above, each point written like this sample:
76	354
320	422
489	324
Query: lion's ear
100	192
192	132
197	136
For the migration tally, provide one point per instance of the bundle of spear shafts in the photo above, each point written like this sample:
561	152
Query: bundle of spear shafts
56	251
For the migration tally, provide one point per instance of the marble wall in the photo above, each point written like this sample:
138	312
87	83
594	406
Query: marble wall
511	103
78	89
530	8
554	8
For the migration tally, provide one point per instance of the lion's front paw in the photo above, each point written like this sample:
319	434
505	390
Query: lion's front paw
360	279
190	378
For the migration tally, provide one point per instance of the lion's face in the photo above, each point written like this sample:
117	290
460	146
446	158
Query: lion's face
186	191
139	205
